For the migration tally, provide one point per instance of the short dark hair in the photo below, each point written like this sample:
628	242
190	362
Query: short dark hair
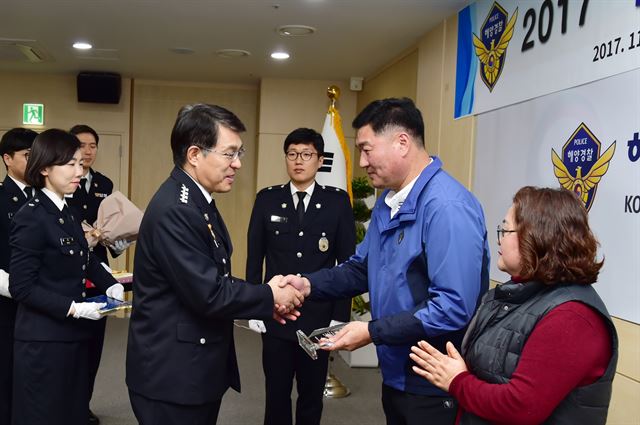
555	242
385	113
197	125
16	139
51	147
305	136
83	128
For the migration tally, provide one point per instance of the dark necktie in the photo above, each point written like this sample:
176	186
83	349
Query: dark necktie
83	184
300	208
27	191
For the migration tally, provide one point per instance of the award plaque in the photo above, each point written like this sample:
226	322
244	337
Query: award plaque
311	344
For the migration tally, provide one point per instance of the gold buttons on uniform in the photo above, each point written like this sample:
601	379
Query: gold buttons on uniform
84	206
277	232
299	255
203	341
84	267
84	294
301	233
71	250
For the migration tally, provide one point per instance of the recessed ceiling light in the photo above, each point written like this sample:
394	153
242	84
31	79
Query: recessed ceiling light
280	55
232	53
81	45
295	30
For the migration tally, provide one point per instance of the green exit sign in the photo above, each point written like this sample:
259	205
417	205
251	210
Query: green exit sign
33	114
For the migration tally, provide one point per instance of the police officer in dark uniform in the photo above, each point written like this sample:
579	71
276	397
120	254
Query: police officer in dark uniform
180	355
50	262
14	192
93	188
298	227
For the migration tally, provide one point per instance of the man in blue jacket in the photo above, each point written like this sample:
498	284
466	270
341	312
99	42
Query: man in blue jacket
424	261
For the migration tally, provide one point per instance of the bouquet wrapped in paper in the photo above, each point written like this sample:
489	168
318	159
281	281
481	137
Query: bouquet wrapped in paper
118	218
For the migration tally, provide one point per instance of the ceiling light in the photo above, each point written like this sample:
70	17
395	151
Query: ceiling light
81	45
280	55
295	30
232	53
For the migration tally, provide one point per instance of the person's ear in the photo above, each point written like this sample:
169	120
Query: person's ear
320	161
45	171
193	155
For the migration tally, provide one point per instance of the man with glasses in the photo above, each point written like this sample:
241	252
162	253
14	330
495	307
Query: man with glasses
14	193
180	356
424	261
298	227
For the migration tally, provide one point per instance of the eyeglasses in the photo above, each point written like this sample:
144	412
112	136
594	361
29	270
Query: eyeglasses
230	156
501	231
306	155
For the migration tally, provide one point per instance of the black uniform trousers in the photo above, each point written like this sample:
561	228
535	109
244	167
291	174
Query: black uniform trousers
155	412
51	383
402	408
310	376
6	373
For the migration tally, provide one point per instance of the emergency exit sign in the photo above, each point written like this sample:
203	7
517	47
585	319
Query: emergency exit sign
33	114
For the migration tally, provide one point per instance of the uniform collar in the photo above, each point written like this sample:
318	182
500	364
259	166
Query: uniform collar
309	190
206	194
59	203
18	183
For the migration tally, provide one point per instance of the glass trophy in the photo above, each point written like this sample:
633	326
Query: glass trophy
311	344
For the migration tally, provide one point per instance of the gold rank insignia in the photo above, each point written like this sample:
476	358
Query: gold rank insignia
323	244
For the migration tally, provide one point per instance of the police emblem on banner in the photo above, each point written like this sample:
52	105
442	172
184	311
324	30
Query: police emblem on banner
581	166
491	46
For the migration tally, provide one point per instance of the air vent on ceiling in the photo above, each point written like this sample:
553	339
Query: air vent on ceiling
18	50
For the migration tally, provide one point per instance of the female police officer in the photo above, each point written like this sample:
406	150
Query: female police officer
49	264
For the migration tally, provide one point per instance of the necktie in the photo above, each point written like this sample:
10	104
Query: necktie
27	191
300	208
83	184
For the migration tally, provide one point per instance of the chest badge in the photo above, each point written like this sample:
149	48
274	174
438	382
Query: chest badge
323	243
284	205
15	199
206	216
400	237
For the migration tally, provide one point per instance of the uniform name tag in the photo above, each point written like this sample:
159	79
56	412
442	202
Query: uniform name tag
101	195
66	241
278	219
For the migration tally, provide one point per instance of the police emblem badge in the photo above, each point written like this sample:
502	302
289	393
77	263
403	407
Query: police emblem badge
323	244
491	47
581	166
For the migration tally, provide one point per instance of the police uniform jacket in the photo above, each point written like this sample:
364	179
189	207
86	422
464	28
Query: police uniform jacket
326	236
50	261
85	205
181	347
11	200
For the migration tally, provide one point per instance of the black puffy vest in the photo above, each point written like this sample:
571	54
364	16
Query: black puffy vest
499	330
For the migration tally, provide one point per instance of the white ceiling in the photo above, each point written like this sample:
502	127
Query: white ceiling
354	38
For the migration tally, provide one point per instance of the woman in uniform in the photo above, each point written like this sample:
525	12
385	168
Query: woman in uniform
50	262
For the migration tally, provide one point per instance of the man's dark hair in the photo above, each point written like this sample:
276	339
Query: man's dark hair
305	136
51	147
197	125
391	112
83	128
16	139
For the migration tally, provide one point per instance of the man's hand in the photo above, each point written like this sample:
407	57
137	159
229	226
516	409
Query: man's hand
302	284
353	336
286	299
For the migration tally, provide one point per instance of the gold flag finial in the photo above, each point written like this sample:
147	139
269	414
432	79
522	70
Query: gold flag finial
333	92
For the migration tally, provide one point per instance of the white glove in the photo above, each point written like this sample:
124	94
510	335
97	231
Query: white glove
257	326
115	291
87	310
118	246
4	284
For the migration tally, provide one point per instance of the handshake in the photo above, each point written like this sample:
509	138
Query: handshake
289	293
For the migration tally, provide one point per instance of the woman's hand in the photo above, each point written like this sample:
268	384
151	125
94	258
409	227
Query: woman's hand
436	367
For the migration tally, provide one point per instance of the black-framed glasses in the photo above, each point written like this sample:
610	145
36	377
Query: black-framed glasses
306	155
501	231
230	156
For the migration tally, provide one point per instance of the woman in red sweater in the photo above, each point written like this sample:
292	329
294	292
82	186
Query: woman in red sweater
541	347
